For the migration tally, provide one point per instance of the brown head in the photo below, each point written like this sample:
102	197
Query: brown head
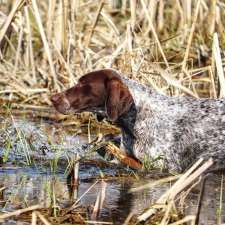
101	89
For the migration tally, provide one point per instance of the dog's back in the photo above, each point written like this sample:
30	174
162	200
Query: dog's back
178	129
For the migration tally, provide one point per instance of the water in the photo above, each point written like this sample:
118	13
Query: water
26	185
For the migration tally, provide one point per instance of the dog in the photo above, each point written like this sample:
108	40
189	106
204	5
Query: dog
172	132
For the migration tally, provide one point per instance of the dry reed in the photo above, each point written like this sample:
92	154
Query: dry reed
46	47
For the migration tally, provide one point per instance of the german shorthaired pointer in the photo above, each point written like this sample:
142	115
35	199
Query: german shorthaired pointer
175	130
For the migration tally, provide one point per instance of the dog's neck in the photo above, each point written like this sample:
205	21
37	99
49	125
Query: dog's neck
126	122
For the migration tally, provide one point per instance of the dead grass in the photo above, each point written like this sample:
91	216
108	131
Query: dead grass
174	46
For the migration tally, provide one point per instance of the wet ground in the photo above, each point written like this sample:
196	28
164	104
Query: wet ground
26	179
25	187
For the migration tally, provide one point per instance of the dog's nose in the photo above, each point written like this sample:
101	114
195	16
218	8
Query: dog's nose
55	98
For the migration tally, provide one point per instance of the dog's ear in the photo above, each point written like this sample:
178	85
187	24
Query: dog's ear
118	100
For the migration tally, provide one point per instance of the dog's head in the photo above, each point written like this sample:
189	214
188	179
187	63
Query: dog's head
97	90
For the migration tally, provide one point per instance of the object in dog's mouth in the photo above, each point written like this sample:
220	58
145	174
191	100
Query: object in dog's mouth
165	132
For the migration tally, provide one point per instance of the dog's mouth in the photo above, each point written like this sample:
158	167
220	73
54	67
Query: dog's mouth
62	105
98	111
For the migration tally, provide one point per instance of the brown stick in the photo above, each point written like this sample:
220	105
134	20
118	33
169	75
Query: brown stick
122	157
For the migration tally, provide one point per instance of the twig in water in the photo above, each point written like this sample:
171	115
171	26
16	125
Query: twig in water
42	218
19	211
34	218
99	202
200	199
78	200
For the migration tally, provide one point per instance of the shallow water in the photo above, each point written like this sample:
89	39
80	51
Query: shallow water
27	185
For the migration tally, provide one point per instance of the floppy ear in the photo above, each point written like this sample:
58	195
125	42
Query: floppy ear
118	99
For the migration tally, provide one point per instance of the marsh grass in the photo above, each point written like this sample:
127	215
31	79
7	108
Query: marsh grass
176	47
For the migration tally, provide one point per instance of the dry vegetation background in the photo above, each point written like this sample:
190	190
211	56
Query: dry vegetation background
176	46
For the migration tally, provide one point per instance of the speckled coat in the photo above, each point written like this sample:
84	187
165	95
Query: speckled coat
177	129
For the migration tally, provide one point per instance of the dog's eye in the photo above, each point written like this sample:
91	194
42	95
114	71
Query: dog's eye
88	101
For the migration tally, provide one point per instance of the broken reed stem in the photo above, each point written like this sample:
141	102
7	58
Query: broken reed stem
71	78
34	218
154	33
161	15
129	37
219	64
17	6
18	48
50	18
79	199
64	27
198	208
98	222
185	220
127	220
74	4
76	171
213	88
45	43
185	180
173	81
30	45
153	184
74	174
191	178
42	218
133	5
96	209
166	217
95	22
19	211
99	201
220	209
191	36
